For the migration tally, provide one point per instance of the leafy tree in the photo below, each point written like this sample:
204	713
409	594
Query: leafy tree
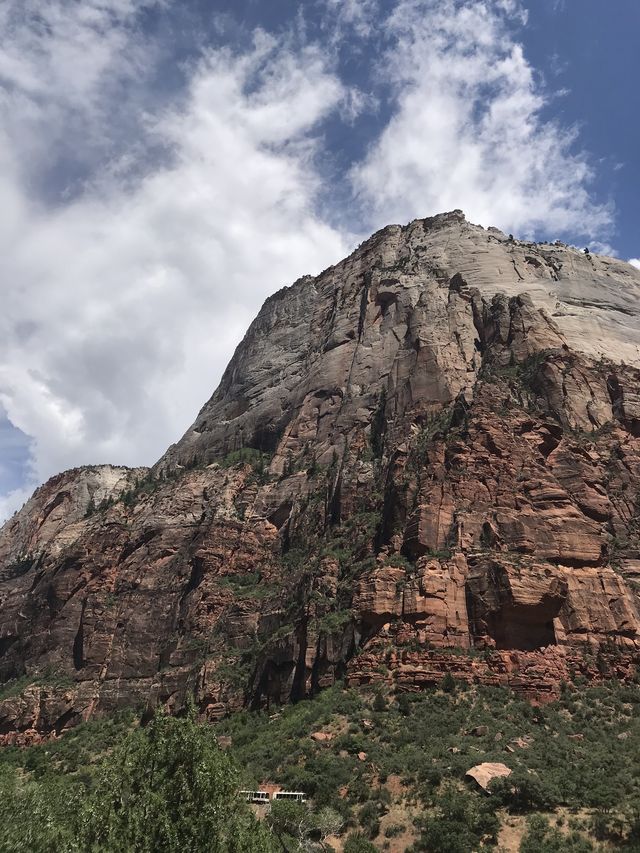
448	683
357	843
298	829
327	822
291	823
36	817
379	702
168	787
370	818
461	823
404	705
521	792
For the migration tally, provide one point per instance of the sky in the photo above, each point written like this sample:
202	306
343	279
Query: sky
165	165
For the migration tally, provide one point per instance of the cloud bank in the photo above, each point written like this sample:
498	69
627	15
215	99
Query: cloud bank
141	234
467	129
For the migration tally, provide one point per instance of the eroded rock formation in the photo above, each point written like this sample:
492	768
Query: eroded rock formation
425	460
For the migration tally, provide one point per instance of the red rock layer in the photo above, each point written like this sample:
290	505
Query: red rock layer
399	477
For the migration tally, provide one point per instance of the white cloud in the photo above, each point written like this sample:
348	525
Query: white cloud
467	131
65	70
357	17
122	304
13	500
139	238
635	262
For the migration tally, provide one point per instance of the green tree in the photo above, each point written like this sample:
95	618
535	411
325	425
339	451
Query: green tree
461	822
37	817
168	787
327	822
379	702
290	822
357	843
521	792
448	683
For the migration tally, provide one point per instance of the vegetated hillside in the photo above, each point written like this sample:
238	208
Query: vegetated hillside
384	770
423	461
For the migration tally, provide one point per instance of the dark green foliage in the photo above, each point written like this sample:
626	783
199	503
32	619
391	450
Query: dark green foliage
425	739
298	828
37	817
522	792
541	838
438	424
17	686
379	703
258	460
166	787
459	823
289	821
400	562
369	817
522	376
249	585
357	843
448	683
146	485
404	705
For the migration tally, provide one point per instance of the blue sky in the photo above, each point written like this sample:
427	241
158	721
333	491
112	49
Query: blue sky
166	165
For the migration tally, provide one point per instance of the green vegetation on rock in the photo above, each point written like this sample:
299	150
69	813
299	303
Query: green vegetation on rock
388	768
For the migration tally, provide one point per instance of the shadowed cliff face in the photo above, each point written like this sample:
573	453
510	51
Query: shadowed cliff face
425	460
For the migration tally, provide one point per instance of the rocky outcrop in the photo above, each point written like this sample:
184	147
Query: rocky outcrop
485	773
424	461
410	312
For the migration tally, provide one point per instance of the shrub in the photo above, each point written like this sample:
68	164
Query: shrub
379	702
448	683
357	843
461	822
165	787
521	792
169	787
541	838
394	829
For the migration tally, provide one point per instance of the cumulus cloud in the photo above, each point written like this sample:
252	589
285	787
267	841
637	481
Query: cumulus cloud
126	300
143	224
467	130
635	262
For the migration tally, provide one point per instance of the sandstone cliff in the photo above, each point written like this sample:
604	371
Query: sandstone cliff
426	459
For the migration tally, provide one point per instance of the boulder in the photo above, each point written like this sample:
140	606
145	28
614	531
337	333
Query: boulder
485	773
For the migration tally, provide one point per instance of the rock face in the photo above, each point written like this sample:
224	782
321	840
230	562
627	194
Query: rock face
425	460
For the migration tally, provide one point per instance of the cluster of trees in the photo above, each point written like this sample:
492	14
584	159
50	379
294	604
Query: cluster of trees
581	753
166	787
114	785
